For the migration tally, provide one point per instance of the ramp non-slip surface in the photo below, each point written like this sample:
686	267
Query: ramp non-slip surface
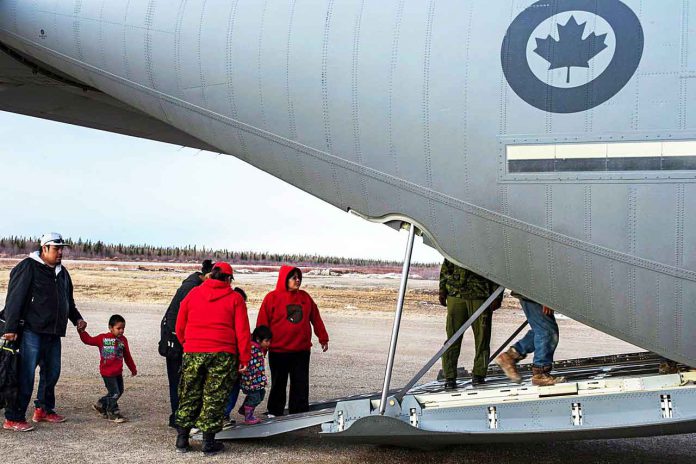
277	425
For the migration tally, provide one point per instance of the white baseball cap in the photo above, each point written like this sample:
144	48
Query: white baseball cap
52	238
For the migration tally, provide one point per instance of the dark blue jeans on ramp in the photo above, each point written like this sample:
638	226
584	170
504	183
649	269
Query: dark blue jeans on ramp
35	349
542	339
232	400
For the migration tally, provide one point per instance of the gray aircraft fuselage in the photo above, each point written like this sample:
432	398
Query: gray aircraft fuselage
546	145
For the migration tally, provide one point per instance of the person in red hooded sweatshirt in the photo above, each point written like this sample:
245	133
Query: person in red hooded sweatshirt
213	327
290	312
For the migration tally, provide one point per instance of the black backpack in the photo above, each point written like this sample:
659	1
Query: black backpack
169	345
9	365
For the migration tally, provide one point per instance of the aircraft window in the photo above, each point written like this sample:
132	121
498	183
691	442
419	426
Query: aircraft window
602	157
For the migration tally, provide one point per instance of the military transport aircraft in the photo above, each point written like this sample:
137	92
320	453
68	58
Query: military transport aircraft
548	145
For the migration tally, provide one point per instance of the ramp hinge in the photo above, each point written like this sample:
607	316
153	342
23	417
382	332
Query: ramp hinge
576	414
413	417
492	417
341	421
666	406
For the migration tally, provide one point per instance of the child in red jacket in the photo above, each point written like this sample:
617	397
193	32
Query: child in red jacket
113	350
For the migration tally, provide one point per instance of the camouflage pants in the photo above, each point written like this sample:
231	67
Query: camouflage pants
206	382
459	311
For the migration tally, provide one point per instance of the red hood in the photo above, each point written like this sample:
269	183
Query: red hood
212	290
283	277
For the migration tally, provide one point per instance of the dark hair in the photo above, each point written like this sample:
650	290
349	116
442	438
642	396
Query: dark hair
115	319
206	266
295	272
241	292
217	274
261	333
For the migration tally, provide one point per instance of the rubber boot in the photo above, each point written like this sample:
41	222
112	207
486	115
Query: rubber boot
210	445
249	418
541	377
182	439
508	363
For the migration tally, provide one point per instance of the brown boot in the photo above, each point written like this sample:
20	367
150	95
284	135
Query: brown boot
667	366
508	363
541	377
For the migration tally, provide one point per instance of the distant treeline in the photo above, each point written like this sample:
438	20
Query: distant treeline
87	249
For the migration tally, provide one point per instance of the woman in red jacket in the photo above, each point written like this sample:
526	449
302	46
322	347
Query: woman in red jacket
213	328
288	312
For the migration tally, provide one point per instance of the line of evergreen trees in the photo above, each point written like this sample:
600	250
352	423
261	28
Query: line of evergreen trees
15	246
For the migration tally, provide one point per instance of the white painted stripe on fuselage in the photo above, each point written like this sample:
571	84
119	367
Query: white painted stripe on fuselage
610	150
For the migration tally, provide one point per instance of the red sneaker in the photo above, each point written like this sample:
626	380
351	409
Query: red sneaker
41	415
17	426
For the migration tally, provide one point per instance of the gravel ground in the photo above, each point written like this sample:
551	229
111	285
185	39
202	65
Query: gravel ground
354	364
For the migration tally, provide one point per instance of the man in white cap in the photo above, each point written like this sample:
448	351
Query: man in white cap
38	305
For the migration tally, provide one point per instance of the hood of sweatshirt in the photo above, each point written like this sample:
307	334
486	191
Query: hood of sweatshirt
283	277
37	257
213	290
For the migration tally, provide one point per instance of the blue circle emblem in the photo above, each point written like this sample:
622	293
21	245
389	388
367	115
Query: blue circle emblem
571	50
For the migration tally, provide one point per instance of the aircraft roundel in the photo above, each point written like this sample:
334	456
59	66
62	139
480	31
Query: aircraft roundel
568	56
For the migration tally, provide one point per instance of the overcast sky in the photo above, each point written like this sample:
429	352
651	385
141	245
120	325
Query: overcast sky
118	189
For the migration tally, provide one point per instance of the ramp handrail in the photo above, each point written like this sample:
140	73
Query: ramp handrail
400	395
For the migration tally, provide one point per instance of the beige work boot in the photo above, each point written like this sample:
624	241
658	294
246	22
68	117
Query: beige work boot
508	363
541	377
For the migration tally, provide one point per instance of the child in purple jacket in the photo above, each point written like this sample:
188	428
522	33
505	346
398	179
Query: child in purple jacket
253	380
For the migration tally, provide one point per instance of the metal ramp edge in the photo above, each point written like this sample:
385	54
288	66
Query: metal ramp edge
276	425
319	413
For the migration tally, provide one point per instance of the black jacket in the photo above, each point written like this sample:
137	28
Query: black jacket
39	297
168	340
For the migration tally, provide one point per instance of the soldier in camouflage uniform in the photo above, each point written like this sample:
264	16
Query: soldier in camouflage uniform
463	292
213	327
206	381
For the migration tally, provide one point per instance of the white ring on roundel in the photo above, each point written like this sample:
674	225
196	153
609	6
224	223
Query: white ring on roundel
578	75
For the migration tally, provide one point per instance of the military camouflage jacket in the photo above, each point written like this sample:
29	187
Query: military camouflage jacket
459	282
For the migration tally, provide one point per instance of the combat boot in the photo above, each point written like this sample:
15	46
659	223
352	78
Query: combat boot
541	377
508	363
450	384
210	445
182	439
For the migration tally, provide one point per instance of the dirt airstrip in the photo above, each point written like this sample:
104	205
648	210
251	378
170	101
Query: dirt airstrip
357	310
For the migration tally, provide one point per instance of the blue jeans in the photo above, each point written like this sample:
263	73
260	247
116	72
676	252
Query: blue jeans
232	400
114	390
542	339
35	349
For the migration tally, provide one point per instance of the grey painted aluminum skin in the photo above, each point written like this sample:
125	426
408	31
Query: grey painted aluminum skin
32	88
428	416
404	108
380	430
